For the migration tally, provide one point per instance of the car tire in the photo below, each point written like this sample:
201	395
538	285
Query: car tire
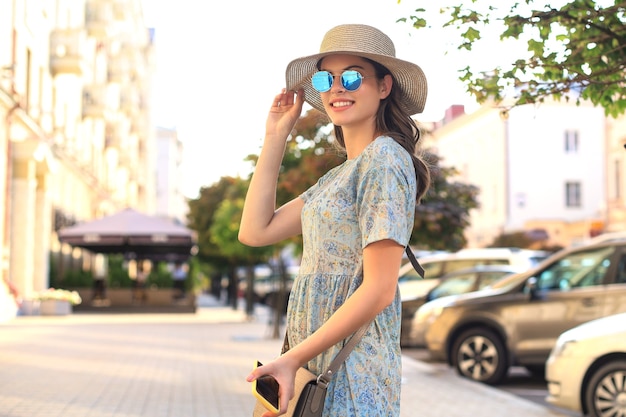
606	391
479	354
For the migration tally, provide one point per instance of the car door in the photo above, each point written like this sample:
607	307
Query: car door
615	299
568	292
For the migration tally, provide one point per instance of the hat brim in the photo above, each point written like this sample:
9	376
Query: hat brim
409	79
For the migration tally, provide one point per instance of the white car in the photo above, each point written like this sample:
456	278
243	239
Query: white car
436	265
586	370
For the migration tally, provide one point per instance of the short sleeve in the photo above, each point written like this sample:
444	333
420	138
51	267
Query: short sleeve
387	198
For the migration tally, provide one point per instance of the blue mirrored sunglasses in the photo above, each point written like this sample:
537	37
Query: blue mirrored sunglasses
350	80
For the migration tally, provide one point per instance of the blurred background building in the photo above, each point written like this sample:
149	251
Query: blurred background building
76	128
170	200
554	171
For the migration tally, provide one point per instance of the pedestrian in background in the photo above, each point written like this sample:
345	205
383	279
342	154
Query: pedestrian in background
180	276
139	285
355	221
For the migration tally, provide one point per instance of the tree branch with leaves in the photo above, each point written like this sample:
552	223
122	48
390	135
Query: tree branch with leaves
576	52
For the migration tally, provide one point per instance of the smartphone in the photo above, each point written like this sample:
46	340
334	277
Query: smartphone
265	389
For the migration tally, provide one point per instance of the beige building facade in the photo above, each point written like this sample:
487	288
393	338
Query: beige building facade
555	169
75	126
616	175
171	202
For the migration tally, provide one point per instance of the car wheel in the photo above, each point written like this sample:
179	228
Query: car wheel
605	395
479	354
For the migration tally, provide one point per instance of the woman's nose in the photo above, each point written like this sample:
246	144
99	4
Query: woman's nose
337	84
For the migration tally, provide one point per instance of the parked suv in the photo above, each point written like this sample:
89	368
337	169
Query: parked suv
518	320
457	282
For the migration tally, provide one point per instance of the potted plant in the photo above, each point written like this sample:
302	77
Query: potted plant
57	302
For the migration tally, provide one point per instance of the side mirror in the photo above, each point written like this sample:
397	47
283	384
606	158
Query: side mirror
531	287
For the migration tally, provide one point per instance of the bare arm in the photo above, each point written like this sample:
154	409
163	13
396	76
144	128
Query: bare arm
261	223
381	264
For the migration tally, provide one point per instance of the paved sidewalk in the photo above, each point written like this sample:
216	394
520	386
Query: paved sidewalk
184	365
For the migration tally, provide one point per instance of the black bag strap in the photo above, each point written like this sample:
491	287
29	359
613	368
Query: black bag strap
414	261
324	378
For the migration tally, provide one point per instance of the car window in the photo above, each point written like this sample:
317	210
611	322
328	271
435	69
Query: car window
593	276
455	265
432	269
412	275
621	271
488	278
452	286
536	260
579	269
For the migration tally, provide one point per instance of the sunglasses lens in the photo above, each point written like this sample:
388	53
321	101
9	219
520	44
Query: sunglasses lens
322	81
351	80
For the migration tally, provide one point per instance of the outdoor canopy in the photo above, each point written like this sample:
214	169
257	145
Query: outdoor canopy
133	234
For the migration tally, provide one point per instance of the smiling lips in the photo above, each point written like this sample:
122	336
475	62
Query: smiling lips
341	104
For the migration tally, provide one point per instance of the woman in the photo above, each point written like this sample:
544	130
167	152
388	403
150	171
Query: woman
355	222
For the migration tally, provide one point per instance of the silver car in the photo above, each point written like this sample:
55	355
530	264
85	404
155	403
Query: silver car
518	320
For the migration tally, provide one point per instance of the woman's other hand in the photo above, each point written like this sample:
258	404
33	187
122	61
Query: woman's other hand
284	370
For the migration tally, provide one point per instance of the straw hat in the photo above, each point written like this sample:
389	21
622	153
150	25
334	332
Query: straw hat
367	42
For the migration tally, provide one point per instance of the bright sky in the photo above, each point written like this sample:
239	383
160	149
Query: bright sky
219	65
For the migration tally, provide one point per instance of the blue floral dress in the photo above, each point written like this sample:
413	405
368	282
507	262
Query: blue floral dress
364	200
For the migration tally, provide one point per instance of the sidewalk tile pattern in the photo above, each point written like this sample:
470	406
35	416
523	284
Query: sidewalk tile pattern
184	365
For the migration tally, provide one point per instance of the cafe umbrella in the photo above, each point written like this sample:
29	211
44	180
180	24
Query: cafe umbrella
133	234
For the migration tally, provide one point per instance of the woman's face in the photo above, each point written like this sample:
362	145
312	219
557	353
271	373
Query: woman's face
346	108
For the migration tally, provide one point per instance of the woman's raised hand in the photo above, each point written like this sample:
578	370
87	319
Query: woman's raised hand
284	113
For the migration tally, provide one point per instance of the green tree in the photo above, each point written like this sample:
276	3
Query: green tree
202	210
443	215
201	218
577	51
224	234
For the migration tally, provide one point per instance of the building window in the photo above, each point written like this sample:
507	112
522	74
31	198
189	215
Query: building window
572	194
571	141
